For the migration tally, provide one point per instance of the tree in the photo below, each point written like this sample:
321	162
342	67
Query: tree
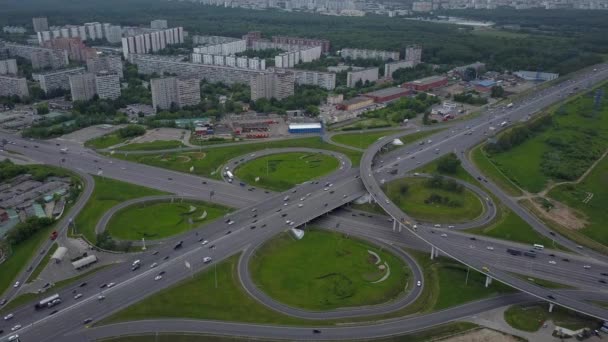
312	110
42	108
448	164
497	91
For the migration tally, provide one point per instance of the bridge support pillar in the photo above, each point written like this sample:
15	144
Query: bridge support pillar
551	307
400	227
395	225
488	281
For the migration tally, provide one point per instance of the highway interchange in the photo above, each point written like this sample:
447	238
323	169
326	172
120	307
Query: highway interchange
347	185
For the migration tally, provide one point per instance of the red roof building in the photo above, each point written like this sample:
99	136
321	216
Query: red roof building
427	83
388	94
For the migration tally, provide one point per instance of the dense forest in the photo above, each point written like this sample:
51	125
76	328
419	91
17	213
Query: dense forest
562	41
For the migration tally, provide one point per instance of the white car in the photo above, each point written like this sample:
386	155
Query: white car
285	204
153	265
418	283
17	284
490	248
230	222
300	205
9	316
444	235
207	260
101	297
552	262
13	338
78	296
158	277
437	226
327	189
111	285
16	327
204	242
586	267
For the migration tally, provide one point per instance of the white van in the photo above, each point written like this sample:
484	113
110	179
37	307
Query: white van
539	247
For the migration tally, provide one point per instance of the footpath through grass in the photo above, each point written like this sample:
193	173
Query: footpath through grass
162	219
326	270
588	198
554	148
208	162
422	202
280	172
531	318
200	298
107	193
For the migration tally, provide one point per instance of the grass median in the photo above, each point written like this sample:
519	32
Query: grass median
532	317
208	161
341	272
416	197
152	145
161	219
280	172
107	193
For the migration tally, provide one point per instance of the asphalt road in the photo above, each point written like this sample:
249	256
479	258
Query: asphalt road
346	188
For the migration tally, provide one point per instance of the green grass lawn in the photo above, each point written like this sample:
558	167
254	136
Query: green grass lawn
490	170
594	211
43	263
512	227
368	124
361	139
161	219
413	202
105	141
107	193
339	273
283	171
208	162
531	318
152	145
577	126
199	298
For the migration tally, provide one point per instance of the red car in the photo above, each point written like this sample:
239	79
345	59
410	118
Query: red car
54	235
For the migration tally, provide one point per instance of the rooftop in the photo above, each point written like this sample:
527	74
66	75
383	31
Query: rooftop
427	80
356	100
309	125
387	92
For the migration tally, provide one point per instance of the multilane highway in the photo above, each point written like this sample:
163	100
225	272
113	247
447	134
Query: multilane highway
40	327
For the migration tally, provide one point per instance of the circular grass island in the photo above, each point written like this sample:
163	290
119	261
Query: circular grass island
326	270
282	171
161	219
435	199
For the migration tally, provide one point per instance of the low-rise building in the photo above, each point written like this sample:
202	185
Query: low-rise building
388	94
427	83
356	103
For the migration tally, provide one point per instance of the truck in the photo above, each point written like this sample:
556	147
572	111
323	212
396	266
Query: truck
229	174
46	301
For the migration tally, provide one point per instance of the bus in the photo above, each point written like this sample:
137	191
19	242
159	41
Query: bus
45	302
539	247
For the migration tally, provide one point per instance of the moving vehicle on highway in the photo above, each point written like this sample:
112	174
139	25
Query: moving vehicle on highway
46	301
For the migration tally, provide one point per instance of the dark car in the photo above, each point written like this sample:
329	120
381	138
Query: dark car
602	281
566	259
604	274
170	178
551	297
155	253
29	269
264	225
179	245
283	215
472	238
53	312
161	272
87	321
228	232
103	286
166	258
252	227
212	247
325	205
316	331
